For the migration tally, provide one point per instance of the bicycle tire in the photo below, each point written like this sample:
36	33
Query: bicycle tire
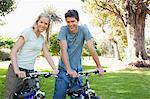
39	97
92	97
95	97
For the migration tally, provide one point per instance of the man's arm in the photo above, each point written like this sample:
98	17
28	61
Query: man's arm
65	58
93	52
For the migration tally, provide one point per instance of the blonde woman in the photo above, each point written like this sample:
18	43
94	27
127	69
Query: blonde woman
25	52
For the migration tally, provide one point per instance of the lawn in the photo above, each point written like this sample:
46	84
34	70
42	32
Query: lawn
123	84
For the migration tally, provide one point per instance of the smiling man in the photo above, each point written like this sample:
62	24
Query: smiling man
71	39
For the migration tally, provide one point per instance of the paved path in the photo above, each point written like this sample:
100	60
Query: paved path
41	63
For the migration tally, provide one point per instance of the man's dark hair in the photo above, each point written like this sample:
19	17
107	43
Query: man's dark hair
72	13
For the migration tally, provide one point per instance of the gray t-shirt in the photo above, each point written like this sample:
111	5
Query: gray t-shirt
75	43
30	50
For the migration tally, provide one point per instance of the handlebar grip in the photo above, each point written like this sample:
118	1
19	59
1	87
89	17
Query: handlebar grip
96	72
47	75
16	75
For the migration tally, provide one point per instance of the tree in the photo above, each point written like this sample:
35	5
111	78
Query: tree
54	18
131	14
115	32
115	46
6	6
54	46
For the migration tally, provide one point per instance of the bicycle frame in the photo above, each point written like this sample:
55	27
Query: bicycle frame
87	92
37	93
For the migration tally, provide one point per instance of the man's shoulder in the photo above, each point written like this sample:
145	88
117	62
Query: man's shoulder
63	30
64	27
82	27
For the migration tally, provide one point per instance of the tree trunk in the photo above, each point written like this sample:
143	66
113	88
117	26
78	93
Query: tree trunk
116	50
50	34
136	38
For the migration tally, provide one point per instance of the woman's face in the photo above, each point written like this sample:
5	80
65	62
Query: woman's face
42	24
72	24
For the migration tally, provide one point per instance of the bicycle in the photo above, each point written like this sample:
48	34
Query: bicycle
84	91
31	86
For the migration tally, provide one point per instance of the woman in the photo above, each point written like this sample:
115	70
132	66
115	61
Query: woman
25	52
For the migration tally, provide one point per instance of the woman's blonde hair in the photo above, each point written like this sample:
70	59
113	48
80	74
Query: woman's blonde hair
47	30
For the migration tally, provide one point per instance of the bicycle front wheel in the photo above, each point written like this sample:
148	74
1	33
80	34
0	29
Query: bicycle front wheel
95	97
91	97
39	96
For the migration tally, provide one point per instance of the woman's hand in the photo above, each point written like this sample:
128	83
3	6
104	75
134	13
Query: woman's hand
20	74
55	71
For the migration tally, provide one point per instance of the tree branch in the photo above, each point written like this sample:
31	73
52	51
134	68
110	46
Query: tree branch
119	15
126	3
147	11
105	8
114	10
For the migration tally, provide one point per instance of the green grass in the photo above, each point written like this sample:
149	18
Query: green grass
2	79
124	84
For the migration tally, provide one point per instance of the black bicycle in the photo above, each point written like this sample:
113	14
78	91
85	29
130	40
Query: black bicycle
84	91
30	89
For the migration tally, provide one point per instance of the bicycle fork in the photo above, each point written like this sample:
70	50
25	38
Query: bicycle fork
39	94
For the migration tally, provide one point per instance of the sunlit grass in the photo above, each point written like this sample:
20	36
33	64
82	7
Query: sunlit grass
123	84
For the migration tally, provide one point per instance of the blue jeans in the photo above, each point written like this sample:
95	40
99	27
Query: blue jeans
62	83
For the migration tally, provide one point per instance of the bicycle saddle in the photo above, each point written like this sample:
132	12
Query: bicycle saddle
75	90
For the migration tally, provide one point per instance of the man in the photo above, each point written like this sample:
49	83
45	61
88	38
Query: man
71	39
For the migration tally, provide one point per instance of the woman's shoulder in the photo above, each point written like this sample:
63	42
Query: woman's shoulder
43	36
28	30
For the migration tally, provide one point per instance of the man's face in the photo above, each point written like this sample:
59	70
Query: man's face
72	24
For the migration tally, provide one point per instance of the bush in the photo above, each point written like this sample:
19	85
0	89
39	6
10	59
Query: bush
4	54
6	42
54	45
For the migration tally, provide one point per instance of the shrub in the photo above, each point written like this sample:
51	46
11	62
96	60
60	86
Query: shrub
6	42
4	54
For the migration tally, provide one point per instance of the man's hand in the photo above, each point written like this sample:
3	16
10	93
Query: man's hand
72	73
100	70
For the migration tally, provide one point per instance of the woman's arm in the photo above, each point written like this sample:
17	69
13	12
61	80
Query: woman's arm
13	55
49	59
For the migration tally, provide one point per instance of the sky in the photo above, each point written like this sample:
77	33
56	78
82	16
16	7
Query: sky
27	12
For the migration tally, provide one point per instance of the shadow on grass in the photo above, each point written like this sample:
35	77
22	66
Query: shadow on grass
123	84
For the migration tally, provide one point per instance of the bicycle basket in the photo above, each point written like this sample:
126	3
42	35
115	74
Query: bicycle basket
26	90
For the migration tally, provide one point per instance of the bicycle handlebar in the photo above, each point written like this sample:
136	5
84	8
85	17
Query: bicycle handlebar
36	74
45	74
89	71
